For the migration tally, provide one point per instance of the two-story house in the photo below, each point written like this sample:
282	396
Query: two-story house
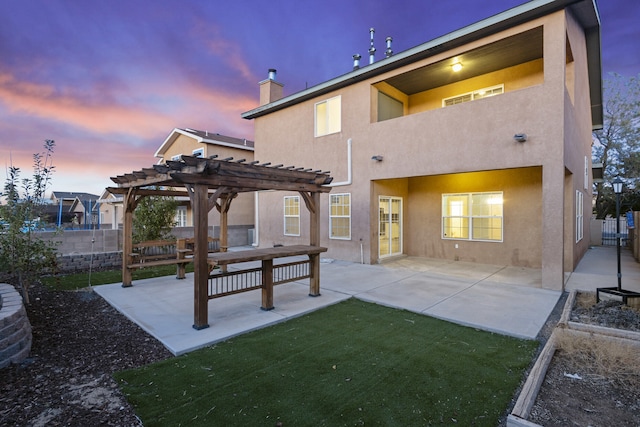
475	146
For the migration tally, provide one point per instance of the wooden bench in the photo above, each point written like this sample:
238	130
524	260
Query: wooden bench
186	245
155	253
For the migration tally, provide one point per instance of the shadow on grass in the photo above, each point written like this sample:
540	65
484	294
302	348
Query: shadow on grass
353	363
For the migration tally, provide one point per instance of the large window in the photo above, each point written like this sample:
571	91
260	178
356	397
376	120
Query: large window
292	215
579	216
472	96
472	216
340	216
328	116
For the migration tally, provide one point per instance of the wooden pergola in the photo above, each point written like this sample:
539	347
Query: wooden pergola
212	182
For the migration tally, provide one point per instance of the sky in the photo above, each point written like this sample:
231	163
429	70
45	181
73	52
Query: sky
109	80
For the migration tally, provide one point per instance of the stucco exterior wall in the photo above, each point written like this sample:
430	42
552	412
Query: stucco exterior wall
461	148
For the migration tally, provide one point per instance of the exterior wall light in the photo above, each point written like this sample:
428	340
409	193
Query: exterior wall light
520	137
377	158
456	67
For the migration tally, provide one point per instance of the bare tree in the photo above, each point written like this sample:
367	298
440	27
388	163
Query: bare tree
617	145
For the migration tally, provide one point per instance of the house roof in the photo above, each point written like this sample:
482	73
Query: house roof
205	137
73	195
584	11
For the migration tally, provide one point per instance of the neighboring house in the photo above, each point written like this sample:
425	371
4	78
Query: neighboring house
87	211
199	143
75	204
475	146
111	211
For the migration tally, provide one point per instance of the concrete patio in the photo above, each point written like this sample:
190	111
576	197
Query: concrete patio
502	299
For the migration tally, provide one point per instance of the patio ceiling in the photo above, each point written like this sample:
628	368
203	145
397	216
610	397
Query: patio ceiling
508	52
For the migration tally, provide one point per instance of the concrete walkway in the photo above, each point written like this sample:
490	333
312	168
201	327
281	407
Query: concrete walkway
507	300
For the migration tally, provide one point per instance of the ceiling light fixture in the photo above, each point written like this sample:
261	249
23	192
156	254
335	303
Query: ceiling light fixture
456	67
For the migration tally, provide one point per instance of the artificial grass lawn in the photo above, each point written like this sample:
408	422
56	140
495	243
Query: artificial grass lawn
353	363
75	281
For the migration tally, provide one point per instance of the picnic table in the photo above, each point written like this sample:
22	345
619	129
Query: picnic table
266	257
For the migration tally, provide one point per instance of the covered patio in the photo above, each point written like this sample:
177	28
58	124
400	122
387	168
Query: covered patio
214	183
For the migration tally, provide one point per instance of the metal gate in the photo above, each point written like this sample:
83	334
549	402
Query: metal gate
609	231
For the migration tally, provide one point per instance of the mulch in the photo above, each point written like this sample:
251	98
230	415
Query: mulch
79	341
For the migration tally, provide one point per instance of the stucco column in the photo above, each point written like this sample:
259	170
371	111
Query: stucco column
553	227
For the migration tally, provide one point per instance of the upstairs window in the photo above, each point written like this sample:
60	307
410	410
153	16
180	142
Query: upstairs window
176	158
473	96
292	216
198	153
328	116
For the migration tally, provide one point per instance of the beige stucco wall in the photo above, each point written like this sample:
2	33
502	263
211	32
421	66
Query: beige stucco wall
457	148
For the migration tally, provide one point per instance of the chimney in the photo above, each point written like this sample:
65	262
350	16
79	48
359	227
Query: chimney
270	89
356	61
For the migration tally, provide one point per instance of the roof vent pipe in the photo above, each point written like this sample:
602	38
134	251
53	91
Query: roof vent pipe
372	50
272	73
356	61
389	52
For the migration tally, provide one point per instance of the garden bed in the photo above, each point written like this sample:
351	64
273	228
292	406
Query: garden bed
589	372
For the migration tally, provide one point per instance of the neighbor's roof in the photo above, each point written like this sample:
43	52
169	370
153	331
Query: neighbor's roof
205	137
72	195
584	11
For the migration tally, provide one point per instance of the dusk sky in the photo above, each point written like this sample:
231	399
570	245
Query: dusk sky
109	80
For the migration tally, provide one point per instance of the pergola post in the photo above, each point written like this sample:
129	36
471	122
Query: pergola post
314	240
200	204
127	234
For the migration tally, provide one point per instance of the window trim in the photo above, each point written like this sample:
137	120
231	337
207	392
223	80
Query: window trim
197	151
470	217
472	95
285	216
176	158
331	217
315	117
181	211
579	216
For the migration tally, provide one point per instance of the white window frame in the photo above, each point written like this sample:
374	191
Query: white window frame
332	216
176	158
476	94
328	128
181	216
199	152
289	215
469	216
579	215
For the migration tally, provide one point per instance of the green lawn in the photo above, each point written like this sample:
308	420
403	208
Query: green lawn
353	363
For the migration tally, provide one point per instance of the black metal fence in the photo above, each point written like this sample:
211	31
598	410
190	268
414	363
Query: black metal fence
609	231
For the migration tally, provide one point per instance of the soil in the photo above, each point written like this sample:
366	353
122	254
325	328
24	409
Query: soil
578	391
79	341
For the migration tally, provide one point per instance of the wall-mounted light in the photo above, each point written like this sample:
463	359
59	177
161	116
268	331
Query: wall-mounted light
520	137
377	158
456	67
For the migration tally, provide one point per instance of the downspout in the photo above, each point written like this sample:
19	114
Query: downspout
256	225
